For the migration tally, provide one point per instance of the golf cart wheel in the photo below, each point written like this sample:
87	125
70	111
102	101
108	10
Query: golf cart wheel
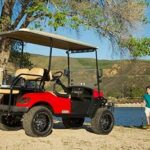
102	122
72	122
38	122
10	123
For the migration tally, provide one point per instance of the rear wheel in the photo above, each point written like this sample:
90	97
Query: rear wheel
10	123
102	122
38	121
72	122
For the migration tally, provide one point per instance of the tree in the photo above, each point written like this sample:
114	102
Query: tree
110	18
16	56
137	47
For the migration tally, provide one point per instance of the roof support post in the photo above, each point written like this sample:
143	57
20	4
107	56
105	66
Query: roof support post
97	70
68	60
50	54
21	58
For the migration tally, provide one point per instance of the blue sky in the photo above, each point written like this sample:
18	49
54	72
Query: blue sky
88	36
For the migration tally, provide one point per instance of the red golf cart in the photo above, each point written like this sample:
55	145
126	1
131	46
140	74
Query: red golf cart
25	102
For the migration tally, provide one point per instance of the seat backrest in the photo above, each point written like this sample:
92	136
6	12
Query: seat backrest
22	71
35	71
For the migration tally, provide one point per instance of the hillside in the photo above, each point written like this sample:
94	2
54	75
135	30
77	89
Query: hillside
120	78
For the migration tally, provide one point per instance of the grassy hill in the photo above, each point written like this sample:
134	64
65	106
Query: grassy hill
120	79
40	60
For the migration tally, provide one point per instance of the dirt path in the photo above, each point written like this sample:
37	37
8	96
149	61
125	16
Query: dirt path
120	138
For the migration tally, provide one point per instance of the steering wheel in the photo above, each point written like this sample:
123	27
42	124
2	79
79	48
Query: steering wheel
57	75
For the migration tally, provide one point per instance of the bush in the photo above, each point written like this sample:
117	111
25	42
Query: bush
16	56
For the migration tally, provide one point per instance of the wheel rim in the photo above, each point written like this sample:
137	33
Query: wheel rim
41	122
106	122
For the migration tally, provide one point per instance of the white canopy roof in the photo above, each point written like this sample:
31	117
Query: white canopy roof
47	39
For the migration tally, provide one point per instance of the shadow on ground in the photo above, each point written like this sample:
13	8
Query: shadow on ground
59	125
135	127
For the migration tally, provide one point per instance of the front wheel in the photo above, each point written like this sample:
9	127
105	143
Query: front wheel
102	122
38	122
72	122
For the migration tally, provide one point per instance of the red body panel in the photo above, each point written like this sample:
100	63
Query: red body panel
58	104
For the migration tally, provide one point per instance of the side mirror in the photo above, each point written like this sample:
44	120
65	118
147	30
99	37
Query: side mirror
100	73
66	72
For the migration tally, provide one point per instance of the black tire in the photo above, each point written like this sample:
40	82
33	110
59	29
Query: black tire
10	123
38	122
102	122
72	122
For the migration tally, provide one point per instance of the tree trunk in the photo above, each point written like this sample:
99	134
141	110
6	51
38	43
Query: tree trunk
4	53
6	15
4	57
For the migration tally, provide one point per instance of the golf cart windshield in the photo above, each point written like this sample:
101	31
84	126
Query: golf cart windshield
83	70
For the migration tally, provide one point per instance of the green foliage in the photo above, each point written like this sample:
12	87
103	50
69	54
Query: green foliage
137	47
109	19
127	91
114	93
137	92
132	92
58	20
75	22
37	9
17	58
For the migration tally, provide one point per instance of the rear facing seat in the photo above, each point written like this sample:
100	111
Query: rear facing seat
34	71
7	90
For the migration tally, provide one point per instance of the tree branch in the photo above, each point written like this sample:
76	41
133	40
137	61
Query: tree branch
11	5
22	13
5	15
30	18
